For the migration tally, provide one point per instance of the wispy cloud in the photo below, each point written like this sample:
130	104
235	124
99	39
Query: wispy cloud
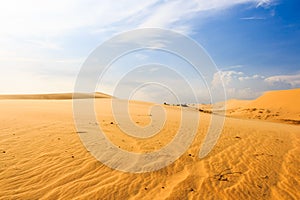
177	14
60	17
265	3
35	34
253	18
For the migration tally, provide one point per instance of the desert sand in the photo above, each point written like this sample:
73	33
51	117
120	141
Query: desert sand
42	156
277	106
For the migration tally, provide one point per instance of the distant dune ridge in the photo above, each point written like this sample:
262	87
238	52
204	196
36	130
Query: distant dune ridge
59	96
42	156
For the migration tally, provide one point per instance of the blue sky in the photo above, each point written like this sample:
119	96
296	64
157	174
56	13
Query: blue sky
255	43
263	39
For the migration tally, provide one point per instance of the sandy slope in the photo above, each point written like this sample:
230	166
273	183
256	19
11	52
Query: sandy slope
277	106
42	157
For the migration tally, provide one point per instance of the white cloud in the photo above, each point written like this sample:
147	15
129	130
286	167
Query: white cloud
236	84
36	18
254	77
226	77
57	17
292	80
244	93
239	85
176	14
35	34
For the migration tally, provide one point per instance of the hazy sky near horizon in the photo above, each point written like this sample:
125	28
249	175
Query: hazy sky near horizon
254	43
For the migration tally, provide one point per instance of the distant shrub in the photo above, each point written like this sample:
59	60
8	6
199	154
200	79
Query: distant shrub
205	111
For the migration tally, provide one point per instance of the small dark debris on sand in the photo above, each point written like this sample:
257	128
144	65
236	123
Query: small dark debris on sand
222	178
263	154
224	175
81	132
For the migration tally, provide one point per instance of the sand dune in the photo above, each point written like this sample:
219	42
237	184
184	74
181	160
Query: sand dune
237	103
287	100
281	106
277	106
42	157
60	96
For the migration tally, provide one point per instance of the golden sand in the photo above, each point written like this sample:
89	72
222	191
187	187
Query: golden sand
42	156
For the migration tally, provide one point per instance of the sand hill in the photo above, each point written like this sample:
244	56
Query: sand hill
280	106
60	96
42	156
